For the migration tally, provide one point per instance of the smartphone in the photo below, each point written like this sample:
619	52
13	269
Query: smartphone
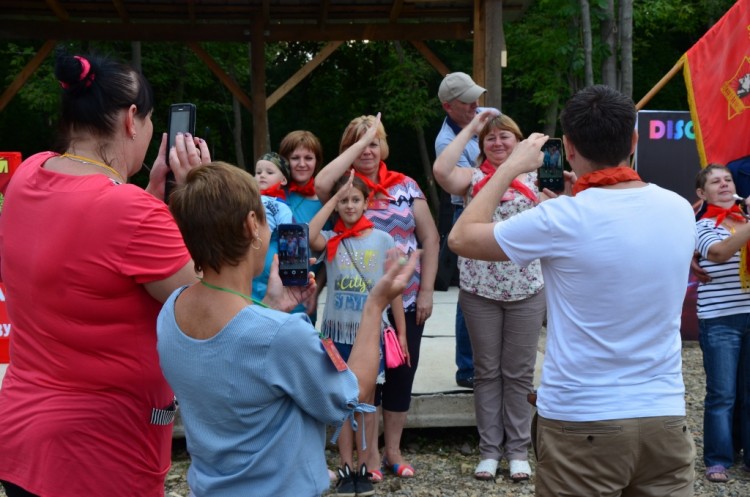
551	173
294	254
181	120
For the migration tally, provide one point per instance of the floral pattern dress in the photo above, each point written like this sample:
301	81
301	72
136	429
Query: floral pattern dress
502	281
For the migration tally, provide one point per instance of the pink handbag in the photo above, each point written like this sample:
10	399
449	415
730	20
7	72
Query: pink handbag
394	356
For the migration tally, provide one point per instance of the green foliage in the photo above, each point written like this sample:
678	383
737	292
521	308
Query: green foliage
545	65
404	90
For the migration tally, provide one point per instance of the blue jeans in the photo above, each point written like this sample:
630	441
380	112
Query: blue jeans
725	342
464	356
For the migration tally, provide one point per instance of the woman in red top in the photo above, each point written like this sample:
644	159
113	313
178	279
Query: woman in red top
87	260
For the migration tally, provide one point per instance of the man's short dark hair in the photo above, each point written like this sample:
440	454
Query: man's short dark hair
600	121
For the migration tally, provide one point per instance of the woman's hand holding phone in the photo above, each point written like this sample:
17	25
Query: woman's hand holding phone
285	298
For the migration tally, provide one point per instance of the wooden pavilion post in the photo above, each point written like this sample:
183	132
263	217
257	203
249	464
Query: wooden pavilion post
479	44
261	137
495	52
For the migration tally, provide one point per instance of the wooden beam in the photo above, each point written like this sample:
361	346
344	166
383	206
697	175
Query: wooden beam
58	9
290	83
202	32
430	57
396	8
26	73
191	11
121	10
225	78
323	17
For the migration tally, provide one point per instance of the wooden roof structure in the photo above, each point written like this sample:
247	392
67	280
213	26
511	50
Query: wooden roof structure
260	21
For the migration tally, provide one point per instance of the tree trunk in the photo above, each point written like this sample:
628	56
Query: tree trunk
587	43
609	63
427	166
237	133
550	118
136	57
626	47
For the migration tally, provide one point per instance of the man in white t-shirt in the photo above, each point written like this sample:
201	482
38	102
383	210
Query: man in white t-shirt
615	259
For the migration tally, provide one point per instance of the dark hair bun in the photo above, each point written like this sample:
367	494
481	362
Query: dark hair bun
73	72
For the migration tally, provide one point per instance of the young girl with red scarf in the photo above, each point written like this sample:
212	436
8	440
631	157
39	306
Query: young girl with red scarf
354	255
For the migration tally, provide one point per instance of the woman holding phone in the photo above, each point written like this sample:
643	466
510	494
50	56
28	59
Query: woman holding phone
503	304
256	386
87	260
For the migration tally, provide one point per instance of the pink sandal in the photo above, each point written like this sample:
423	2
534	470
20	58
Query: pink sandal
401	470
375	475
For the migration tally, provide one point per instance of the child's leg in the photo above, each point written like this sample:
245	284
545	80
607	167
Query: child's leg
371	455
346	445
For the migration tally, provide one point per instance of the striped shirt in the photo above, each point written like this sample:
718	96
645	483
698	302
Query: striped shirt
397	219
722	296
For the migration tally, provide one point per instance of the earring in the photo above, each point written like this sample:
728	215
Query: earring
133	136
256	240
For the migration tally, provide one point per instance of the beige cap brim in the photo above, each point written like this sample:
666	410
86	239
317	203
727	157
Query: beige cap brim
472	94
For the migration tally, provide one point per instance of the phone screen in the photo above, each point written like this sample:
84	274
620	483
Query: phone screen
181	120
551	173
294	254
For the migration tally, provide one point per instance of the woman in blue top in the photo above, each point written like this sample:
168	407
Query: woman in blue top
256	386
303	151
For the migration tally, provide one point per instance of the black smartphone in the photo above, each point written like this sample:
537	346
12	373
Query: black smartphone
551	173
181	120
294	254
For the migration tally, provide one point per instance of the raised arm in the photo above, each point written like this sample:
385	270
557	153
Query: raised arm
337	167
450	177
473	234
317	240
724	250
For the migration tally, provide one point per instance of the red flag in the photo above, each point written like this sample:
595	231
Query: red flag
717	75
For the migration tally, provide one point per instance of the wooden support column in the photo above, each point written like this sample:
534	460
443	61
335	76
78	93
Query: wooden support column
261	137
26	73
495	52
479	46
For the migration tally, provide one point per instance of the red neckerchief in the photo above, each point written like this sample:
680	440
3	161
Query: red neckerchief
343	232
275	191
734	213
306	190
386	179
720	213
605	177
488	170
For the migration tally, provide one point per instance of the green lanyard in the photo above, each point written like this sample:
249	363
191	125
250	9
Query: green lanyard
229	290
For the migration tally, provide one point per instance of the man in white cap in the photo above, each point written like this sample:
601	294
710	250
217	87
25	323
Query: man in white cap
459	96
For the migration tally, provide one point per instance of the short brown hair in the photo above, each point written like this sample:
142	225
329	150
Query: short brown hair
502	122
305	139
358	127
211	208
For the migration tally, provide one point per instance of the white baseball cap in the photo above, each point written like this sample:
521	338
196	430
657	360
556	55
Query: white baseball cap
459	85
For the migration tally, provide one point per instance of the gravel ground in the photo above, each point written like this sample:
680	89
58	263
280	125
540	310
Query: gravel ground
445	458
